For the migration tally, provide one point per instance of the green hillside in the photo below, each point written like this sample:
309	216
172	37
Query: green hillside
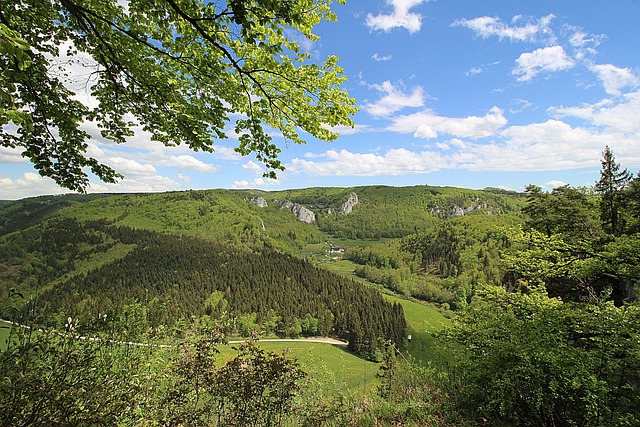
522	309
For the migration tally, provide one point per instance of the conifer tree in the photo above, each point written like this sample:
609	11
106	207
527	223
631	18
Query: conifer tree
612	181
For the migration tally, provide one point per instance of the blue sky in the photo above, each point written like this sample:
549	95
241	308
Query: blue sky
462	93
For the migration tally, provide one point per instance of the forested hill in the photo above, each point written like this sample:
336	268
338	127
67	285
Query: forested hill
223	253
87	270
231	216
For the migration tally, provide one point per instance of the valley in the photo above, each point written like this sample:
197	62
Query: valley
425	286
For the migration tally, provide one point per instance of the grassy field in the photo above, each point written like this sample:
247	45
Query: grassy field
423	319
331	369
4	335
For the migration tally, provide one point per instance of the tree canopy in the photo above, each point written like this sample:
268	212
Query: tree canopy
180	69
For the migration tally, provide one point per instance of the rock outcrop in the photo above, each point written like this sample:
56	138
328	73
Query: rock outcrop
459	211
259	202
302	213
347	206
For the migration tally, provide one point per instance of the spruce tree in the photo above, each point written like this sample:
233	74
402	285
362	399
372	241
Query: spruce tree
612	181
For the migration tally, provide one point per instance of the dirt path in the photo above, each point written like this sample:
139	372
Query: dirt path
321	340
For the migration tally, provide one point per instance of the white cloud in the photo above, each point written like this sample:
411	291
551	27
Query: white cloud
400	17
257	182
225	153
393	100
144	184
393	162
546	59
615	78
381	58
545	146
551	145
427	124
183	177
186	162
488	26
617	117
474	71
554	183
241	185
29	185
519	105
12	155
252	166
584	45
128	167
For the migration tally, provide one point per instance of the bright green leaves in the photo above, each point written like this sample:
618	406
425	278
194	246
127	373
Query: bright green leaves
14	48
527	359
180	68
15	59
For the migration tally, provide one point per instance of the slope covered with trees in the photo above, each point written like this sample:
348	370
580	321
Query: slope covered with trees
177	277
541	288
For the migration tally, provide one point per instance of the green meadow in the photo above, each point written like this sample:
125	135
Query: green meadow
330	368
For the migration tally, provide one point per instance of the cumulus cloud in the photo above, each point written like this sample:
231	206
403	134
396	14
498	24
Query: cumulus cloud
11	155
128	167
145	184
393	162
614	78
186	162
427	124
252	166
381	58
543	60
256	183
393	100
529	30
543	146
485	144
554	183
400	17
621	116
28	185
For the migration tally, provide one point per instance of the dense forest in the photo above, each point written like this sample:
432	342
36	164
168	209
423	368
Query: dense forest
542	290
177	277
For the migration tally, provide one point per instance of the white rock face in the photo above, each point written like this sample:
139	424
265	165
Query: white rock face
302	213
347	206
457	211
259	202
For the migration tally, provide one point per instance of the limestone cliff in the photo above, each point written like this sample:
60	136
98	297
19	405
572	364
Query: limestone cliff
347	206
259	202
302	213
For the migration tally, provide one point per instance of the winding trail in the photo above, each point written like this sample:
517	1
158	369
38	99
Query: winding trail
321	340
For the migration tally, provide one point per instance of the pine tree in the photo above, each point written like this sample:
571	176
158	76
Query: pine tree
611	182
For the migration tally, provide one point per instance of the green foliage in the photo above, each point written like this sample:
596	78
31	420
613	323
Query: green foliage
59	379
527	359
574	270
612	181
442	264
399	211
567	211
54	379
182	70
256	388
177	277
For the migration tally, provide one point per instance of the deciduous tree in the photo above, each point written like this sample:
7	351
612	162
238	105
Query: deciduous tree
180	69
